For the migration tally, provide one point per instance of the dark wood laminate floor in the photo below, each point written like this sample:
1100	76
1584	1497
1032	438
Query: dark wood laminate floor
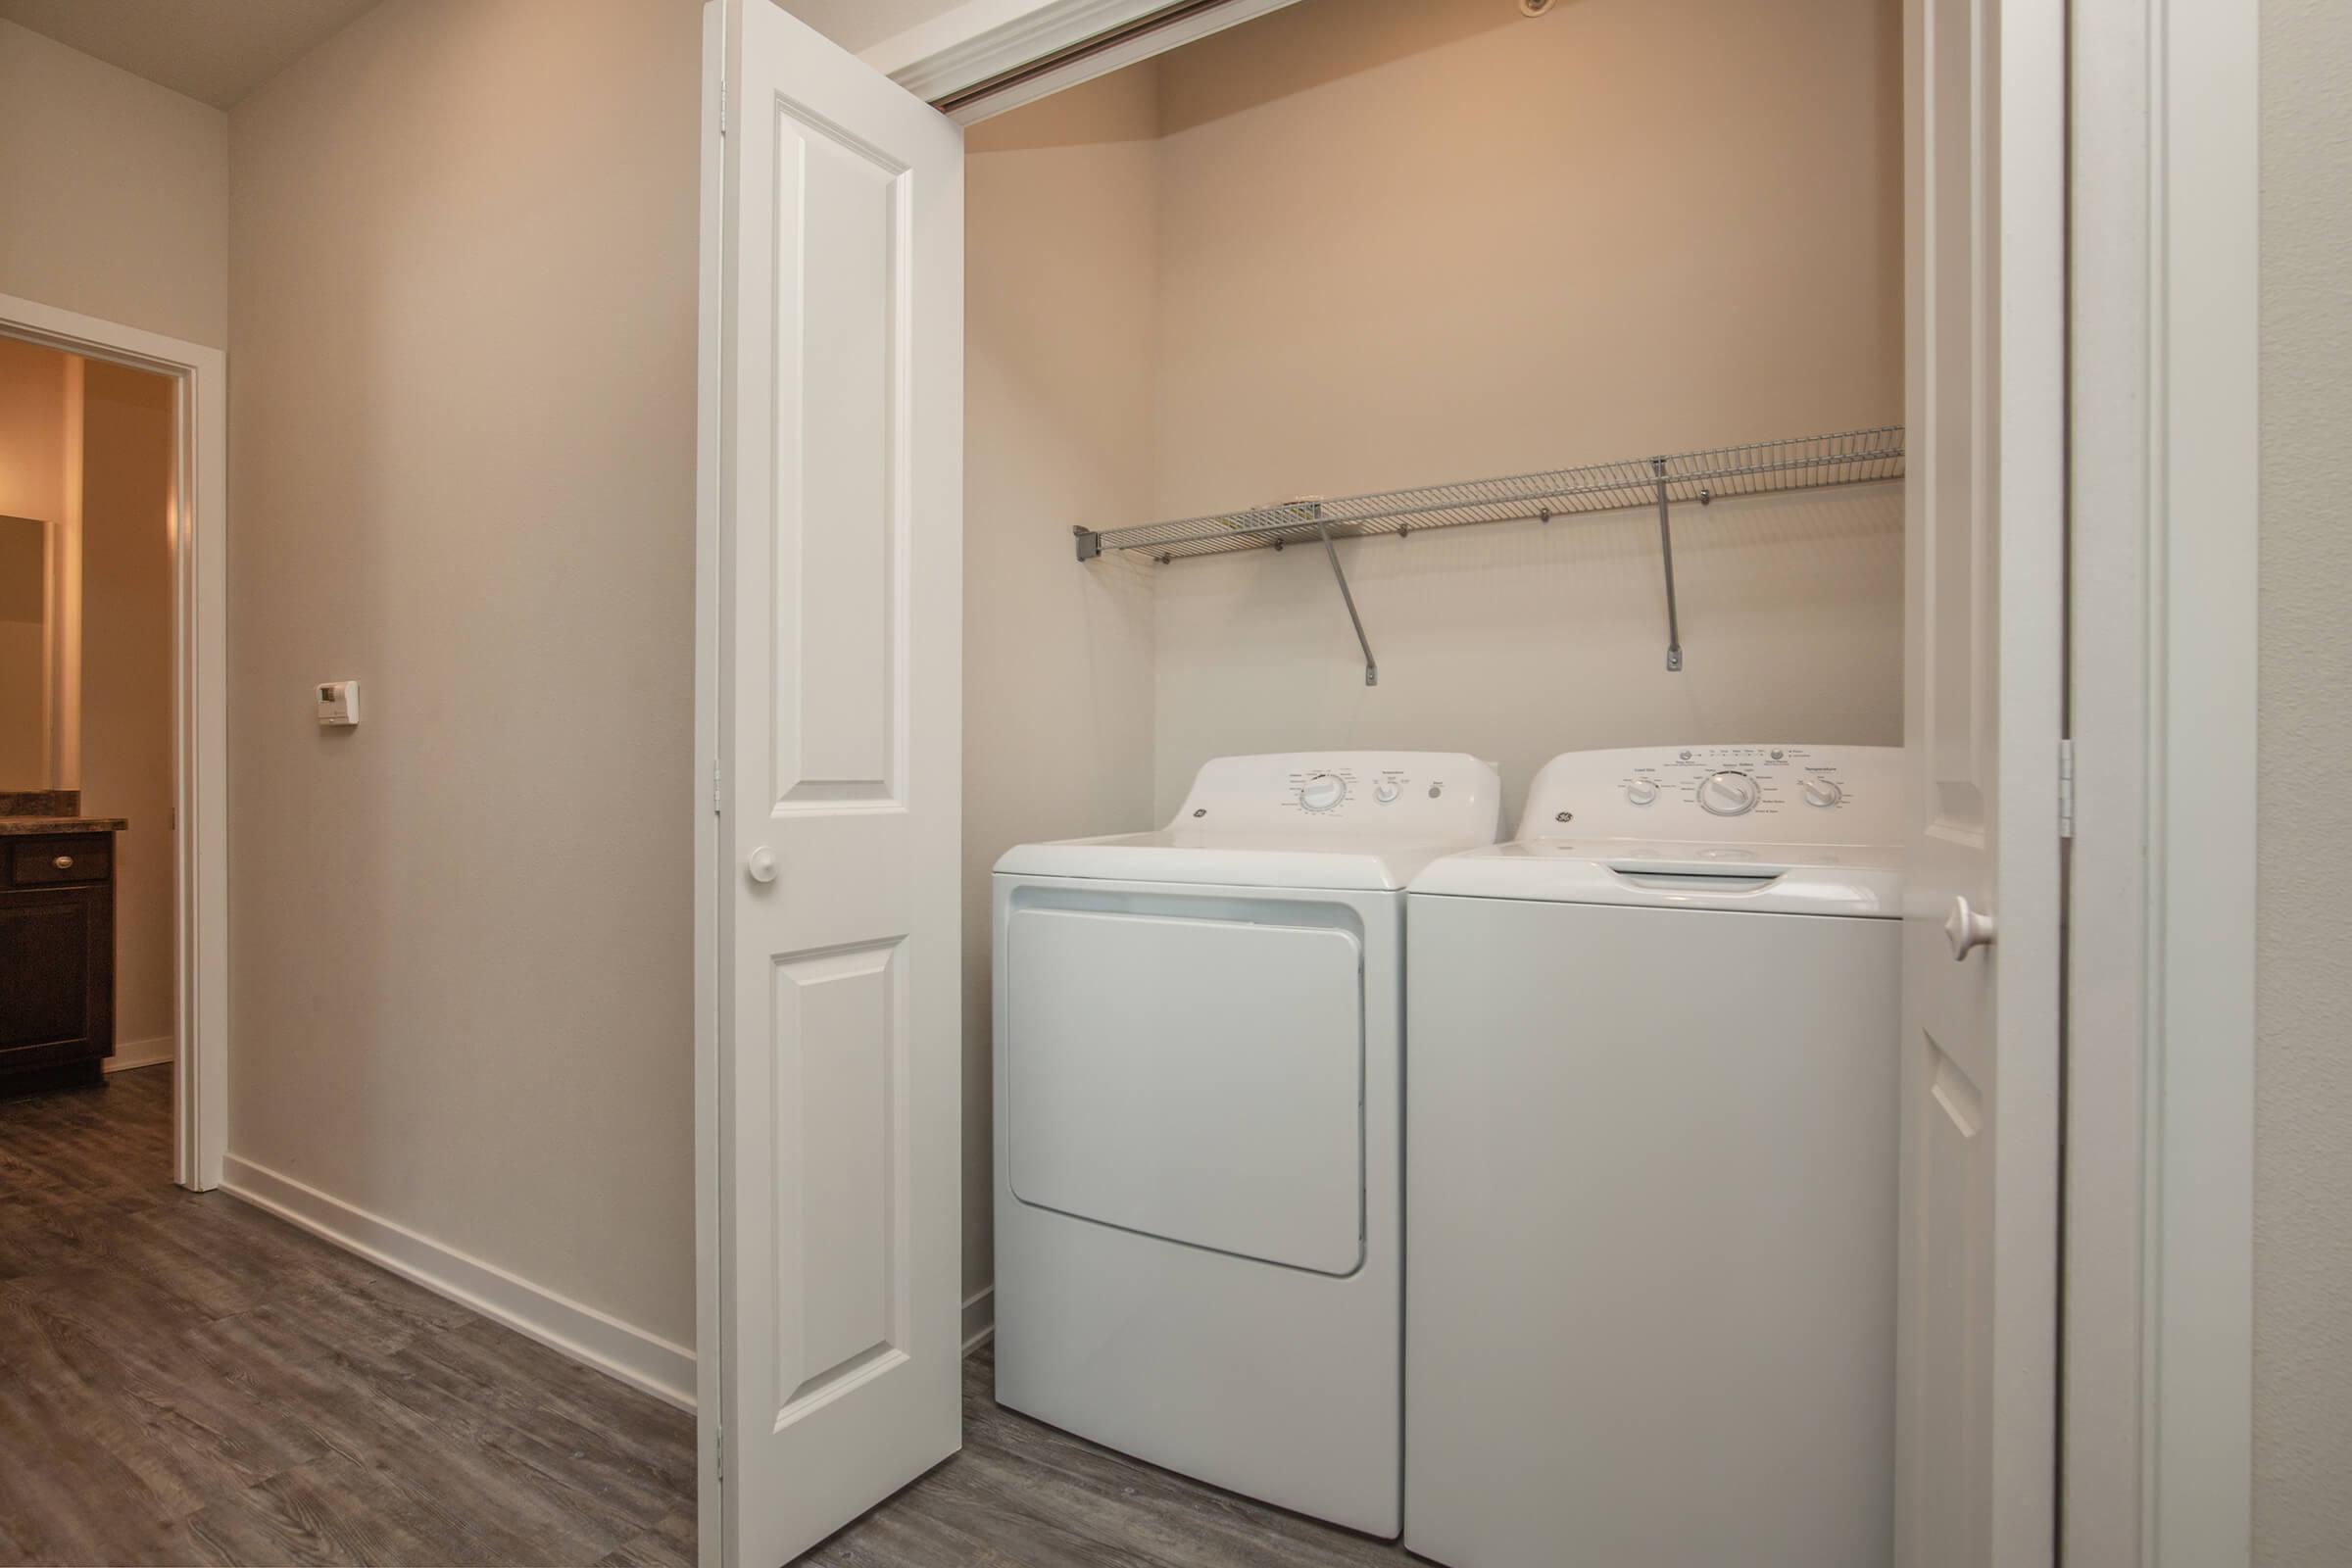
184	1379
1023	1494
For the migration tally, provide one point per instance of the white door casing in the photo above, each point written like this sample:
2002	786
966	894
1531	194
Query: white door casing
200	706
1985	213
838	563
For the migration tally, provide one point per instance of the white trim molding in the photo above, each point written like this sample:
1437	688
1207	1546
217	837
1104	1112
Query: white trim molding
200	695
979	1318
131	1055
983	39
2205	512
592	1338
2164	460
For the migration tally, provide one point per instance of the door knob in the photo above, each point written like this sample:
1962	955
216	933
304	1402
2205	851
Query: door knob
1968	928
761	864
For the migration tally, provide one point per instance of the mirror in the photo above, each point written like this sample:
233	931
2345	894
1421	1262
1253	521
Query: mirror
25	655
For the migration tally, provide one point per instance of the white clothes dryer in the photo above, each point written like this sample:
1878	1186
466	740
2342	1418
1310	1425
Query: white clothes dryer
1651	1109
1199	1179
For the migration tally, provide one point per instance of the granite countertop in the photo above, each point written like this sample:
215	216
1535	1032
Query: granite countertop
23	813
20	826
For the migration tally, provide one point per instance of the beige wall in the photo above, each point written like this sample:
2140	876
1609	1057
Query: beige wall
463	243
2303	1071
114	192
1407	241
1059	320
127	622
33	484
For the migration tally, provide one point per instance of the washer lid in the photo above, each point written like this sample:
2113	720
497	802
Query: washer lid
1855	880
1296	819
1232	859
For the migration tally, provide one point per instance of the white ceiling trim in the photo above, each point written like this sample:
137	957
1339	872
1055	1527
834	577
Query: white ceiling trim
983	39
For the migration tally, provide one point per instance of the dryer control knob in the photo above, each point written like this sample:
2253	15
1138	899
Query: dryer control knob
1727	793
1387	790
1322	792
1823	792
1641	792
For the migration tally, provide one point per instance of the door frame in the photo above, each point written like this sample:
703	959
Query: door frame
705	782
2157	1448
2156	1337
200	708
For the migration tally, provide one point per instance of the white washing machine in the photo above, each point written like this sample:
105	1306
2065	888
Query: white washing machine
1651	1110
1197	1108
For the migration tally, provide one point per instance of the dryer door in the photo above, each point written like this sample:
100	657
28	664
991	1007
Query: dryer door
1200	1079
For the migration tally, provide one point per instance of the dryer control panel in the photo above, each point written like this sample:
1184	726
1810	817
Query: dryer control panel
1785	793
1405	796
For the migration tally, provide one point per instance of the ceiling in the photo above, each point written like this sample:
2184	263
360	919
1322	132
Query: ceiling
215	51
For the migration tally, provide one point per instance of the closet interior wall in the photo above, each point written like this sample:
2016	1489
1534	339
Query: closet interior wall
1360	244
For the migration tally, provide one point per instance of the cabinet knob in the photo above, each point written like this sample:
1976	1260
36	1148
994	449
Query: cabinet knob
64	863
761	864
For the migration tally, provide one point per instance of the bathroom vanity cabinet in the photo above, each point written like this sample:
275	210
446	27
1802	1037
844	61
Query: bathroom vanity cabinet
56	953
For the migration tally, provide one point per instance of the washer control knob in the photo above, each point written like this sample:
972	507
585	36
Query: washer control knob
1387	790
1823	792
1322	792
1641	792
1727	793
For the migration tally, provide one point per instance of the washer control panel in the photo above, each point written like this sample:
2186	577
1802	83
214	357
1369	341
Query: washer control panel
1787	793
1414	796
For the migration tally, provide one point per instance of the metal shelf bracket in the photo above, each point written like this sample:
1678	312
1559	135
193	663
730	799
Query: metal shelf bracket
1090	544
1674	629
1329	550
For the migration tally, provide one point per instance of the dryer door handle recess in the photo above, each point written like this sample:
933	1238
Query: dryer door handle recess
1968	928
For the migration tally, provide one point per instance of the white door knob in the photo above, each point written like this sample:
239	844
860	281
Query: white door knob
761	864
1968	928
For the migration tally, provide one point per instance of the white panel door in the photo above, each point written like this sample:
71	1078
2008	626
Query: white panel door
838	589
1976	1321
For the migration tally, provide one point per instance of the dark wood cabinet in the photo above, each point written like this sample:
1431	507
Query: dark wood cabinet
57	952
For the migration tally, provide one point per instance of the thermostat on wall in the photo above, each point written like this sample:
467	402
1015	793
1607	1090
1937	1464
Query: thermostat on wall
338	703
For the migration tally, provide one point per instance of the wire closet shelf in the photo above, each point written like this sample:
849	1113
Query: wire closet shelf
1800	462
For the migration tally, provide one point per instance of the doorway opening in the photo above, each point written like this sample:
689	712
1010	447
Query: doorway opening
1383	252
112	718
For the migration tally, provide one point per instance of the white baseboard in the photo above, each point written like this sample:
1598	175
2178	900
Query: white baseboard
979	1318
130	1053
636	1358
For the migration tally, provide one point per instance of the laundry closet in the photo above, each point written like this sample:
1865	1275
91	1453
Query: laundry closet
1386	377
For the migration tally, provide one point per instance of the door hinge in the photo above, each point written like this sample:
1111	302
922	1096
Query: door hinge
722	106
2066	788
718	1460
715	788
